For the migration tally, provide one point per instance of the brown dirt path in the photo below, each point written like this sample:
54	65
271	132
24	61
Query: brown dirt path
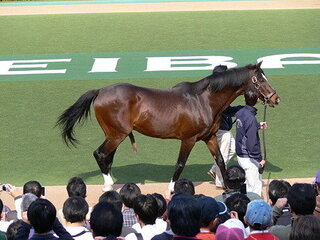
160	7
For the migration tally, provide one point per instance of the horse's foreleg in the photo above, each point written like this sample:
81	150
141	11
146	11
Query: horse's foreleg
104	157
185	149
213	146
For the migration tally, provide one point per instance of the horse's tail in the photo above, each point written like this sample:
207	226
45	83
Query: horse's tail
133	143
78	111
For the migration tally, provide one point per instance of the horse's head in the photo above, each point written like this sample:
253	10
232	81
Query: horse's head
259	80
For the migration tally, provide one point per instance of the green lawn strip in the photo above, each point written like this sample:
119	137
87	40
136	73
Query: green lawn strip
123	32
32	147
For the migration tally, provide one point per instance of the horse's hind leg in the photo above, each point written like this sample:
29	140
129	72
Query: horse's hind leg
213	147
104	157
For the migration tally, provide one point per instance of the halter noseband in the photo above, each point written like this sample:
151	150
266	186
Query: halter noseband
257	86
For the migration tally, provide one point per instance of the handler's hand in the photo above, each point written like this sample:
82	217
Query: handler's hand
263	125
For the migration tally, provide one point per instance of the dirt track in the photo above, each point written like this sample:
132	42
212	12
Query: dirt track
160	7
57	194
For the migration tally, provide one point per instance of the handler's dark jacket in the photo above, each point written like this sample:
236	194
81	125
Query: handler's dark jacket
226	117
247	137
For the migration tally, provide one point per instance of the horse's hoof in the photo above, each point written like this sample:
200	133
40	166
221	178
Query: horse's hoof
171	186
107	188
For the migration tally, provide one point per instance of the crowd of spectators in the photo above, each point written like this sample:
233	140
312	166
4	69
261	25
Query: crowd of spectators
289	213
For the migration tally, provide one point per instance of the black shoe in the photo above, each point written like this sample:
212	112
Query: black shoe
260	169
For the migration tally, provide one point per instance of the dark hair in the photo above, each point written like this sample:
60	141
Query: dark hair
112	197
184	185
42	214
184	213
305	227
302	199
1	205
221	219
220	68
238	202
13	229
106	220
128	194
278	189
33	187
235	177
76	187
161	202
251	96
146	207
75	209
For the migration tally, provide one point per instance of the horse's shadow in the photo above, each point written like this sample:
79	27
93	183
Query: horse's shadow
145	172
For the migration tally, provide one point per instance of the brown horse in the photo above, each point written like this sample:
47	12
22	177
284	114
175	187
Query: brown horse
188	111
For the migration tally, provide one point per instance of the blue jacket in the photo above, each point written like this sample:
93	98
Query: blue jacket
226	117
247	136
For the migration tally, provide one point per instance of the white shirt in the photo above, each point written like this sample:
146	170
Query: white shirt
76	230
147	232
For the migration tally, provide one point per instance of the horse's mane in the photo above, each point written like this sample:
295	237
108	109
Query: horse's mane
217	81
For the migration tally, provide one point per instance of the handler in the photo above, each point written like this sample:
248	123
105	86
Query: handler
226	142
248	142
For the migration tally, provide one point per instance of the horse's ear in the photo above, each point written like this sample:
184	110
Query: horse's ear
258	66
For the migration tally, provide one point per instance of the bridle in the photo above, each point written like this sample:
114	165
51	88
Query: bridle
258	86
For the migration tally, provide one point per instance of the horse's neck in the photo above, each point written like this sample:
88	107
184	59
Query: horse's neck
225	97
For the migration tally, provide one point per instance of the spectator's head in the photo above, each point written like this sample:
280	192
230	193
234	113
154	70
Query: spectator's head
210	210
232	229
106	220
251	96
161	202
76	187
258	215
128	194
27	199
112	197
235	177
184	213
146	209
278	189
42	214
238	202
302	199
185	186
305	227
220	68
13	229
75	209
33	187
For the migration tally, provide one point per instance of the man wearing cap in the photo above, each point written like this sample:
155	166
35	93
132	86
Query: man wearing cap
259	218
232	229
210	210
316	212
248	142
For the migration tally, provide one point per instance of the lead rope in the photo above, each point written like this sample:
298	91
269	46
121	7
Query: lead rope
263	133
264	147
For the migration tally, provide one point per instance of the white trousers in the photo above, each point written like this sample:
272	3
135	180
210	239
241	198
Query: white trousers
227	148
253	178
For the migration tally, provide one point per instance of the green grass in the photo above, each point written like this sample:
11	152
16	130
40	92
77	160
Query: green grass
31	148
